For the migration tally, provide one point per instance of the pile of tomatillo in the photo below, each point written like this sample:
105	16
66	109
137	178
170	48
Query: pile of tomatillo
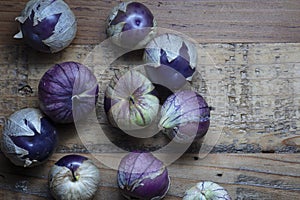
68	92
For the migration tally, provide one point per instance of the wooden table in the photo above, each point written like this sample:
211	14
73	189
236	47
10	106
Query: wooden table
250	72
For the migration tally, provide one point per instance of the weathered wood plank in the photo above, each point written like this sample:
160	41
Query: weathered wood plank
245	176
206	21
254	89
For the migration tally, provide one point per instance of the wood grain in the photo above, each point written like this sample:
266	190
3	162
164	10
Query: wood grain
253	88
248	70
246	176
206	21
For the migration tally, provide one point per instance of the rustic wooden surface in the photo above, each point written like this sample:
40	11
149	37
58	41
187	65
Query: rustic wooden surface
207	21
250	73
254	89
245	176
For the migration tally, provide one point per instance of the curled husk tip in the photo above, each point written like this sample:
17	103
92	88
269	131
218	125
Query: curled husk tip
47	25
28	138
173	59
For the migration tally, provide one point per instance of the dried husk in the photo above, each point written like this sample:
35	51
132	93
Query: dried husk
14	126
132	105
65	29
206	190
63	187
115	32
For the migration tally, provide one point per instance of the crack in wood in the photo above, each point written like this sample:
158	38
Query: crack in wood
261	182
